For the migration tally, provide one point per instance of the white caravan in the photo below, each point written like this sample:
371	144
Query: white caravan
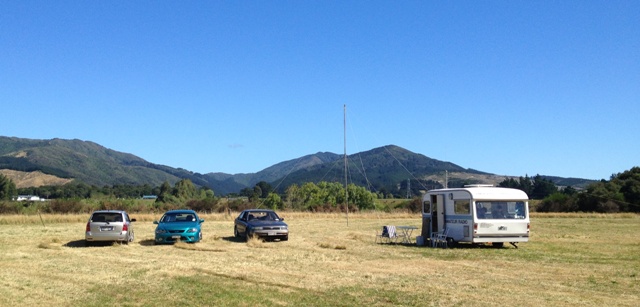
477	214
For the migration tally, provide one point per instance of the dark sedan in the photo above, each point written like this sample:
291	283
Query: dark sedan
262	223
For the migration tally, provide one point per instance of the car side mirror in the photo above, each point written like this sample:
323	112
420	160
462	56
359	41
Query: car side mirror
201	221
281	218
133	220
155	222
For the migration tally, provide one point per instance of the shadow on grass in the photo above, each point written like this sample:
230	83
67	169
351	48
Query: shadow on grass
233	239
76	243
455	246
84	243
241	240
148	242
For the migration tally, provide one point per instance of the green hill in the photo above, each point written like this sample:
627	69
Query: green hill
385	168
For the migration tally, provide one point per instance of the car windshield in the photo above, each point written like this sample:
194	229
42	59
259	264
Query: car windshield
501	210
106	217
178	217
263	215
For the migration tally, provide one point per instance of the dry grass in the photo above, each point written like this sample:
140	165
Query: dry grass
572	260
351	217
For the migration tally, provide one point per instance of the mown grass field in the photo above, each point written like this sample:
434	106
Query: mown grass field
572	260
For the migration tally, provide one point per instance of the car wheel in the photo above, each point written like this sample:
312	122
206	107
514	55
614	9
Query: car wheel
200	236
246	235
286	238
235	232
130	238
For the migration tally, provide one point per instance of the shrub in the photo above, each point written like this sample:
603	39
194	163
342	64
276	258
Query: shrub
10	207
65	206
557	202
205	205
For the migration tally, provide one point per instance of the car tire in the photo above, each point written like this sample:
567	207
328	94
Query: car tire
199	236
235	232
285	238
130	238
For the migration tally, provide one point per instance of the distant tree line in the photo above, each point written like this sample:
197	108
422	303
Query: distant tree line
619	194
536	188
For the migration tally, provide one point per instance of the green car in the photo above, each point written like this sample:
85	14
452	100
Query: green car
178	225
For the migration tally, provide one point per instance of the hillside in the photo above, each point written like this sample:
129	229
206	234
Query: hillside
382	168
33	179
387	168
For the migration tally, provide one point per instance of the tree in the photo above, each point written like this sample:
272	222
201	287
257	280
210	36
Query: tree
185	190
273	201
542	188
7	187
265	188
292	197
247	192
257	192
166	193
569	190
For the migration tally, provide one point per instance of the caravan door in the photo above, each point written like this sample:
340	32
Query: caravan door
437	213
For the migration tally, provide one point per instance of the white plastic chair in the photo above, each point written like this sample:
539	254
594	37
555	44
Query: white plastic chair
441	238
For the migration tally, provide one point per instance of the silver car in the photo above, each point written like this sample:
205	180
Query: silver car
109	225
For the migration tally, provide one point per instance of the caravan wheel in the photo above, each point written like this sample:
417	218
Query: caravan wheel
451	243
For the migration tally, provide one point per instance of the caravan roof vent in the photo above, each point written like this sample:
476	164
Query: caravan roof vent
478	185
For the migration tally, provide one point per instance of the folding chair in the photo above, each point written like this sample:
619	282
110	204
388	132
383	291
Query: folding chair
388	234
441	238
433	237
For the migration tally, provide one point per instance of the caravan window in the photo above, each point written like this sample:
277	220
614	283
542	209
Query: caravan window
426	207
501	209
462	206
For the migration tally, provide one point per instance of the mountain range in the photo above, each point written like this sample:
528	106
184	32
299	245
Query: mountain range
385	168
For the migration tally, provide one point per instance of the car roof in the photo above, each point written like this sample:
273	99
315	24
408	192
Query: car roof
259	210
109	211
180	211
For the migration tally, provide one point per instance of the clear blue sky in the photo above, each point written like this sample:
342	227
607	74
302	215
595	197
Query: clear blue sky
506	87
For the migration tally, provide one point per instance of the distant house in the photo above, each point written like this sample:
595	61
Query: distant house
28	198
149	196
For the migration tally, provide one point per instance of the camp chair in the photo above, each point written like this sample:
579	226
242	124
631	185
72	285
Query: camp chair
441	238
388	234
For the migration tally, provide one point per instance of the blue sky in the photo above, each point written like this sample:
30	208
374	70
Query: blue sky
506	87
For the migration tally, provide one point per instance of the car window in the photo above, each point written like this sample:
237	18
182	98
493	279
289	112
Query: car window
179	217
263	215
106	217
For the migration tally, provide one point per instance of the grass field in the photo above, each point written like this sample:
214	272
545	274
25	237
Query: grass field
572	260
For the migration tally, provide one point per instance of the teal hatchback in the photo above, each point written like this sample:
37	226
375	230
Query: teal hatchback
178	225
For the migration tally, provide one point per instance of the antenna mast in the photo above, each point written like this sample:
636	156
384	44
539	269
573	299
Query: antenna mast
446	179
346	192
408	188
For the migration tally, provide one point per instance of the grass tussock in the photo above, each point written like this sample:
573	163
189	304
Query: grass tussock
332	246
50	244
256	242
